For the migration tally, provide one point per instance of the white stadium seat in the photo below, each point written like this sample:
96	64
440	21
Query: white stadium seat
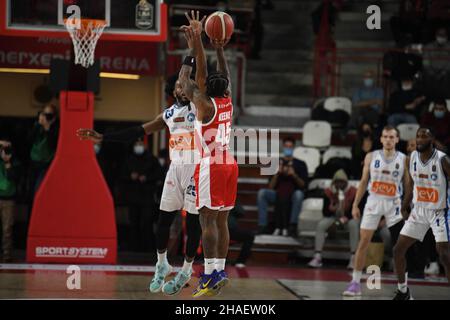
311	156
319	184
309	216
431	106
336	152
338	103
407	131
317	134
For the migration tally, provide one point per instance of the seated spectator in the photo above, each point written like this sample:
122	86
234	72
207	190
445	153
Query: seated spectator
291	185
8	187
436	60
367	102
439	120
141	173
337	210
364	144
43	139
405	104
240	235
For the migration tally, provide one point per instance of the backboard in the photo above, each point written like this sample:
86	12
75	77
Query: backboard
129	20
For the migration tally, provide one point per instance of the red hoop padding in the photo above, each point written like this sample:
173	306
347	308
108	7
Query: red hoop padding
73	219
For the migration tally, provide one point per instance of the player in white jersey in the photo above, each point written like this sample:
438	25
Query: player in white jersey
382	177
426	186
179	187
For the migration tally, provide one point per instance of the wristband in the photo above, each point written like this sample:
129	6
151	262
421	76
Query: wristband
189	61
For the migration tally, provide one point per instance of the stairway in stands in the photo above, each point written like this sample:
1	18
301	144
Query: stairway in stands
278	86
351	32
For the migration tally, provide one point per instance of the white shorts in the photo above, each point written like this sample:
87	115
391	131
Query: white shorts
179	189
421	219
376	208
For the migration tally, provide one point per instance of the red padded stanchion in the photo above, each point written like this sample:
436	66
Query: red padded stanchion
73	218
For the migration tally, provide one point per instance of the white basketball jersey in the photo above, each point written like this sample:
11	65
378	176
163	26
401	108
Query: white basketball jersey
386	175
430	181
181	123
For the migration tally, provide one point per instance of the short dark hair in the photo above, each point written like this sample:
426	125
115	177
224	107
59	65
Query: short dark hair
287	139
429	128
440	101
389	128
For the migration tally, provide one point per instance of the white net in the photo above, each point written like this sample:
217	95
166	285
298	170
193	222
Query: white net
85	34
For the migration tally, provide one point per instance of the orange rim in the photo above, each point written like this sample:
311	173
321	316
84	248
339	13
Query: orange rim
88	23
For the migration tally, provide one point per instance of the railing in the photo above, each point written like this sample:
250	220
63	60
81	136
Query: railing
324	50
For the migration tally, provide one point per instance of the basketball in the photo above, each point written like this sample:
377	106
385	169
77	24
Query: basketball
219	26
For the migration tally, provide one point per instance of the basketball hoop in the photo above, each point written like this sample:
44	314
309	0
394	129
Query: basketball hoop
85	34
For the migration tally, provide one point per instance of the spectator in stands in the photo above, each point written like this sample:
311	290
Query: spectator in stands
290	185
240	235
105	165
365	143
439	120
43	139
436	60
405	104
337	211
8	186
367	101
141	174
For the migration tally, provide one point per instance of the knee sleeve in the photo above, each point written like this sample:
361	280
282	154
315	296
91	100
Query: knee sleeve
194	233
162	233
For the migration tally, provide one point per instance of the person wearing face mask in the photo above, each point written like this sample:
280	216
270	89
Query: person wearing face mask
337	210
367	101
439	120
436	62
405	104
289	183
140	175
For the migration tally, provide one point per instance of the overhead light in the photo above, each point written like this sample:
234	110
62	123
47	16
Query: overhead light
47	71
119	76
23	70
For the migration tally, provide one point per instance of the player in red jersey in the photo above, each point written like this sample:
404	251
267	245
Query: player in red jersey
217	171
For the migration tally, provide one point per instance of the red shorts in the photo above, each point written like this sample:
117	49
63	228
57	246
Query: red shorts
216	185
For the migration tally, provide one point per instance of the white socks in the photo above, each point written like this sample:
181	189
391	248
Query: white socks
403	287
210	265
162	257
357	276
214	264
220	264
187	267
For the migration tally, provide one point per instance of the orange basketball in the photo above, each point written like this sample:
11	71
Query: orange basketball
219	26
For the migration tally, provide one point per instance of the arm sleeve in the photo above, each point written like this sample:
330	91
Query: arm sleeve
125	136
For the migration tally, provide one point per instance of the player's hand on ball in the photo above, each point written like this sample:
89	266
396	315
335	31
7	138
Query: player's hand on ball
356	213
89	134
217	44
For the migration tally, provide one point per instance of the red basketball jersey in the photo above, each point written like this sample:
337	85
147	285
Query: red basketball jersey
215	135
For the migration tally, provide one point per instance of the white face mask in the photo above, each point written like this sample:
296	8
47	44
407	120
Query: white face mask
97	148
441	40
407	86
139	149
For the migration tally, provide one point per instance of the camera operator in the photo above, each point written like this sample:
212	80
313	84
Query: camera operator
8	183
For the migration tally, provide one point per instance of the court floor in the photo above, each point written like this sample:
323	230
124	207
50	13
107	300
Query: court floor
25	281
